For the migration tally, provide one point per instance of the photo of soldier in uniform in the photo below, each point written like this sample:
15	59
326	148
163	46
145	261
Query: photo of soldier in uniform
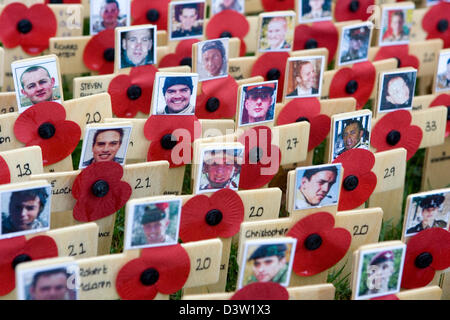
257	103
186	19
355	43
443	73
276	32
397	90
314	10
396	26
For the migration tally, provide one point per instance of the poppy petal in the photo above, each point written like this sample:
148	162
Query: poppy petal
345	11
5	175
261	291
128	282
321	34
140	10
94	52
280	5
225	91
431	20
401	53
9	249
11	15
227	21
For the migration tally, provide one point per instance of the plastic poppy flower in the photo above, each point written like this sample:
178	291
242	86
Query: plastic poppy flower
272	66
319	244
17	250
158	270
436	22
31	28
261	291
44	124
356	82
62	1
394	130
426	252
5	175
228	24
261	158
98	54
279	5
182	55
204	217
132	93
359	181
150	12
99	191
171	137
346	10
321	34
443	100
217	99
307	109
401	53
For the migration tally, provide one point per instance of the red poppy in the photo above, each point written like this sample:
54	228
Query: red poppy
44	124
170	136
359	181
279	5
261	291
182	55
132	93
443	100
272	66
5	175
228	23
307	109
346	10
321	34
17	250
356	82
217	99
158	269
98	54
31	28
426	252
204	217
319	244
394	130
99	191
261	158
436	22
150	12
401	53
62	1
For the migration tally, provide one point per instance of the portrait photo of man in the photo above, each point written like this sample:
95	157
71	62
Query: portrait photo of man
106	144
304	77
176	94
258	103
314	10
397	90
221	5
396	26
427	212
355	44
353	133
109	14
187	20
276	33
443	72
316	186
220	168
212	59
25	211
137	47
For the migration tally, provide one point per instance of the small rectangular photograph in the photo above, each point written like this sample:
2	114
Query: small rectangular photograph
317	186
351	133
314	10
35	81
186	19
396	90
175	94
380	271
396	25
276	32
267	261
427	210
153	224
443	72
52	282
304	76
257	102
355	43
219	168
109	14
212	59
105	144
221	5
136	46
25	211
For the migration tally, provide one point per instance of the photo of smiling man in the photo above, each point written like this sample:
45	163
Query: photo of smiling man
276	32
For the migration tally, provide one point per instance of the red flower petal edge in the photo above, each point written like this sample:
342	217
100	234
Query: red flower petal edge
150	12
5	175
443	100
311	259
321	34
89	187
280	5
98	54
261	291
182	55
199	216
431	22
158	270
401	53
345	10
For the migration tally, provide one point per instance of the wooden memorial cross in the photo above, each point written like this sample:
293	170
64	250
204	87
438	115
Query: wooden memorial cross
21	163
